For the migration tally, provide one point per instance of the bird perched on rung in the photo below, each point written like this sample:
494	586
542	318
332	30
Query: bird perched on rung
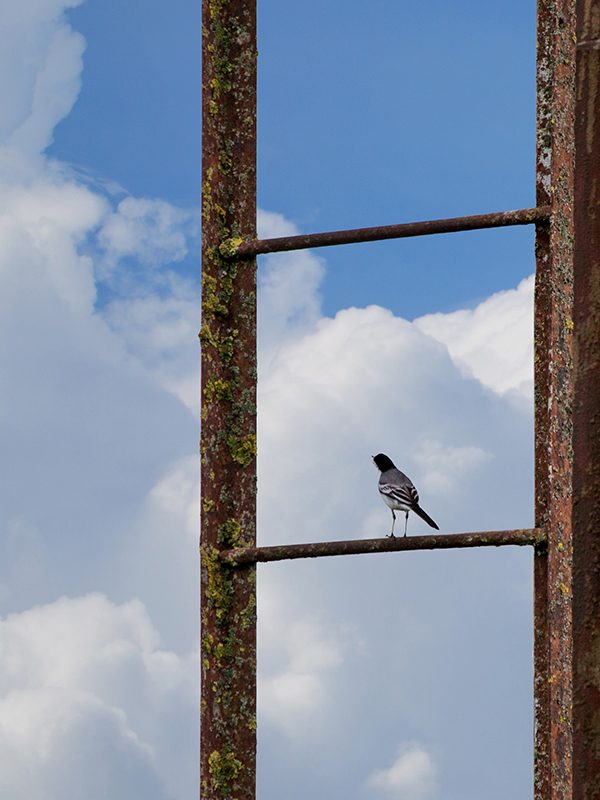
398	492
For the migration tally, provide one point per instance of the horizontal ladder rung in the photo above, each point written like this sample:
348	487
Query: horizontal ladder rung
500	219
445	541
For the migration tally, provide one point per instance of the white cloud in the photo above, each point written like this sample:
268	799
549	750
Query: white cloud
100	490
348	387
162	333
151	231
86	423
41	225
446	467
40	67
289	305
91	706
412	776
362	383
298	655
56	88
493	342
53	199
86	391
178	492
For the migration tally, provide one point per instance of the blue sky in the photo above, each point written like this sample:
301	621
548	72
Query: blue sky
369	114
402	677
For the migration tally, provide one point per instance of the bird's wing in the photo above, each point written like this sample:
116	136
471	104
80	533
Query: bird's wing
405	494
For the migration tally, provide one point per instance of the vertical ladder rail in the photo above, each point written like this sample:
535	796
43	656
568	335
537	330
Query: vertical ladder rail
586	411
553	327
228	436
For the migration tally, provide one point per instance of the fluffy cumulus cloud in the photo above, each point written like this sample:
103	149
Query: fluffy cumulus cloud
90	702
367	382
392	640
97	428
99	500
298	661
493	342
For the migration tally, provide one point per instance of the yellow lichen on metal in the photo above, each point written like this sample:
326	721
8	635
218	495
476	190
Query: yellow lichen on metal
223	767
243	450
229	246
219	590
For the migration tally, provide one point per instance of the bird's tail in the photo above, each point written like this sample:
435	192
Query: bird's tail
418	510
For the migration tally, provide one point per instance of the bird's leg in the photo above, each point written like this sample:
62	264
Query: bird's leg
393	523
405	523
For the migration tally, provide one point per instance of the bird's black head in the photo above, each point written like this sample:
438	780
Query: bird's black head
383	463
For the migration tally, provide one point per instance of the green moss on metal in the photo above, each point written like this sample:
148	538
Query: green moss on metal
223	651
215	6
229	247
219	589
207	195
225	163
242	450
248	614
249	303
212	305
224	344
229	533
228	276
224	767
218	388
207	643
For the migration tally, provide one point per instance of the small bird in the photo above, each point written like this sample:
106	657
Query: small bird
398	492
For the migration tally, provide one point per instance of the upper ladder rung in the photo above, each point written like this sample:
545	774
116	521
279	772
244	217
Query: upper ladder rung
235	248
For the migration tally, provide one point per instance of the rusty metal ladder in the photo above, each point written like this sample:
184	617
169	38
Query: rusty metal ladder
566	537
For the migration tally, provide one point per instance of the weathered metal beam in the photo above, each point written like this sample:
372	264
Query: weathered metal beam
437	541
236	248
586	410
228	438
553	394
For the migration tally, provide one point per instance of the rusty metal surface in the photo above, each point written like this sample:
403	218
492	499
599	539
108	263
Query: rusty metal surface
553	397
525	216
228	443
228	446
446	541
587	44
586	411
